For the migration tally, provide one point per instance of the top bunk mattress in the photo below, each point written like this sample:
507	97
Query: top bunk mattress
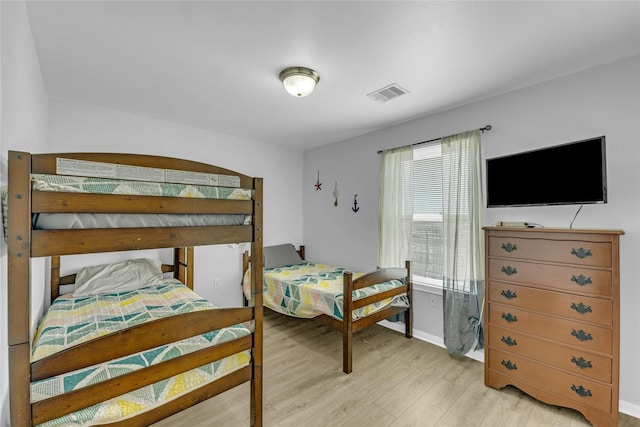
96	185
81	184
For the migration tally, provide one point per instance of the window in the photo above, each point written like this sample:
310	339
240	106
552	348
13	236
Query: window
427	245
431	212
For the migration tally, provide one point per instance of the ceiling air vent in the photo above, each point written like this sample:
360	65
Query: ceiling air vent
387	93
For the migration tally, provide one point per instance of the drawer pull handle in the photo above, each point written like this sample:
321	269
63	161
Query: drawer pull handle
509	247
581	308
509	341
509	271
581	391
509	365
581	335
581	363
581	280
511	318
581	252
508	294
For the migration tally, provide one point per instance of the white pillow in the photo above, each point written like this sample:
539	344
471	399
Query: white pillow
119	277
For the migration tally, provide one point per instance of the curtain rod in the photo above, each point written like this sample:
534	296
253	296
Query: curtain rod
487	127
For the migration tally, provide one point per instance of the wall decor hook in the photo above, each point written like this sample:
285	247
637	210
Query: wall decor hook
335	195
355	207
318	184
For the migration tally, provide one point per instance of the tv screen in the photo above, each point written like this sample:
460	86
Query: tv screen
573	173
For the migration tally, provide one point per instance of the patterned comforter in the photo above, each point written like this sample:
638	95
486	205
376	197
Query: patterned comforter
308	290
77	184
70	321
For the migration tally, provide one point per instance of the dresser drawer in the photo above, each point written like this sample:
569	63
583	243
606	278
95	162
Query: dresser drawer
564	251
567	278
578	307
573	360
582	335
567	385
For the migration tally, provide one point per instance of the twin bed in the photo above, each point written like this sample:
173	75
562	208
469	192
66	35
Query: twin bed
131	343
344	300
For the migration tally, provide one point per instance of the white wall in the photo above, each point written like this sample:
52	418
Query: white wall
600	101
23	126
80	127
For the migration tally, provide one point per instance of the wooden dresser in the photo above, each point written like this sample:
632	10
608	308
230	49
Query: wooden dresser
552	321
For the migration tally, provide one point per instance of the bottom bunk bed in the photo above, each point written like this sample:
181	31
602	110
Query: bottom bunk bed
118	331
346	301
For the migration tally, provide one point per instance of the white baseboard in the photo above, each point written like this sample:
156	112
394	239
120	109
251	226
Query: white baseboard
629	409
626	408
431	339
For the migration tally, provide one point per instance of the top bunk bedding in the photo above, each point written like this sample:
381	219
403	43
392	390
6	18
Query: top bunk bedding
89	197
162	188
73	184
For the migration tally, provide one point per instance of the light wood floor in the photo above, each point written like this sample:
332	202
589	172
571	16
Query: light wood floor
395	382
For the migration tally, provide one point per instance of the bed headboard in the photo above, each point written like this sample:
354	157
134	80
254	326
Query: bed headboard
182	269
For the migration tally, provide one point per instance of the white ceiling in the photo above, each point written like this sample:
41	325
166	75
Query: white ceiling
215	64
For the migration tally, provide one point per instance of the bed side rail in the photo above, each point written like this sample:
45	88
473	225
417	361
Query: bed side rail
84	241
379	276
61	202
129	341
138	338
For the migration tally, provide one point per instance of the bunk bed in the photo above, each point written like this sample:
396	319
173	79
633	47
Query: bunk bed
344	300
81	203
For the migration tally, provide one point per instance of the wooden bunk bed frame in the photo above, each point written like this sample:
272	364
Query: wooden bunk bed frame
348	326
25	243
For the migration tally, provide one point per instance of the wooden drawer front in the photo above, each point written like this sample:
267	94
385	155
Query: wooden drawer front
565	251
570	359
582	335
575	279
578	307
554	380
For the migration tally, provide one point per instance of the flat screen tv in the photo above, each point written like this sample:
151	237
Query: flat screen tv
567	174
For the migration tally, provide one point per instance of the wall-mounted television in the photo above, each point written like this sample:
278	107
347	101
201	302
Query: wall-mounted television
566	174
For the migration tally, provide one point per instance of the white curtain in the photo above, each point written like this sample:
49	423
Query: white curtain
395	218
463	281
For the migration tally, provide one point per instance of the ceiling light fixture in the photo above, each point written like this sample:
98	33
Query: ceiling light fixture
299	81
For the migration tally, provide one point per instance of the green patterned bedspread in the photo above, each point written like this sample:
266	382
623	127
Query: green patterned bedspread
77	184
308	290
70	321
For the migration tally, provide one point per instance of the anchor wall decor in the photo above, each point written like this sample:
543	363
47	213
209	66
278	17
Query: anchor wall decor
355	207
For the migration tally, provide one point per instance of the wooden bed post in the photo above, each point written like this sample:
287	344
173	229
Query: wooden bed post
347	320
183	265
245	267
18	287
55	278
408	320
256	302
